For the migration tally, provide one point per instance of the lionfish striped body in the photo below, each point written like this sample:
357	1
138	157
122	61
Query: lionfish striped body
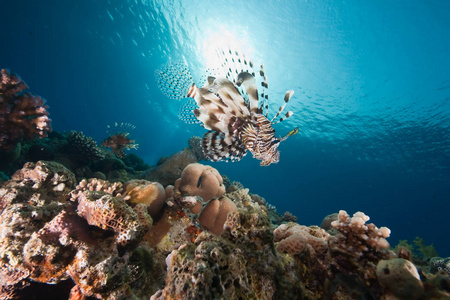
234	118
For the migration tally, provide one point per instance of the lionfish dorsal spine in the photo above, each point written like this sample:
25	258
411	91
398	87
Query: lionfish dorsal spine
249	83
287	97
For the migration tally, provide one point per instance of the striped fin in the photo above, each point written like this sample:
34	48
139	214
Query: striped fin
174	80
264	102
287	97
230	97
218	147
286	116
186	112
248	81
233	63
218	111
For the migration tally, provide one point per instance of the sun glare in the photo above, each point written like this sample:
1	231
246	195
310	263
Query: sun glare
222	40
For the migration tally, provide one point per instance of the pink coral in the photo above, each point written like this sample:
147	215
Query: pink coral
112	213
214	215
294	239
22	114
200	180
152	194
355	237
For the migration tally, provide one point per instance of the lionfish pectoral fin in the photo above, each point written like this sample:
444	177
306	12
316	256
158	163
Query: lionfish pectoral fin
290	133
119	152
248	81
175	80
218	146
187	112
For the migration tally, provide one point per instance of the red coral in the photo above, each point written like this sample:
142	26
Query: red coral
22	114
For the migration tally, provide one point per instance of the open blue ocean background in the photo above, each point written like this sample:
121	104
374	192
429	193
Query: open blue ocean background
371	82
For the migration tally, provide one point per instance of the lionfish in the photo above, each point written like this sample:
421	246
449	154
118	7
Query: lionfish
236	117
118	139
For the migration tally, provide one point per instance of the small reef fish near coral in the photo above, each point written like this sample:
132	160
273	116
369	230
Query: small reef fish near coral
118	139
237	120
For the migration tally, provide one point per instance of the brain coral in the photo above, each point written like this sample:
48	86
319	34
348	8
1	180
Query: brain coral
214	215
22	115
200	180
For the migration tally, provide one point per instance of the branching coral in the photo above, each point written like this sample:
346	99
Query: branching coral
22	114
355	237
83	147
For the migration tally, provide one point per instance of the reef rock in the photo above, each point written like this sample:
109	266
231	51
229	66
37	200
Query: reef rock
92	239
400	278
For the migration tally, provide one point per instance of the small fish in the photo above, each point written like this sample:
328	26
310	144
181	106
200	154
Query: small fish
118	139
229	107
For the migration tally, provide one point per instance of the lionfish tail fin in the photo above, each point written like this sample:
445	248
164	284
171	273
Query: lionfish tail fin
218	146
290	133
175	80
287	97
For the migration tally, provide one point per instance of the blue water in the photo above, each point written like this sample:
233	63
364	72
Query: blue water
371	82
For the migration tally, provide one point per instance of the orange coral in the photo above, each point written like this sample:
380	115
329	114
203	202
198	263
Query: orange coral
152	194
215	214
22	114
200	180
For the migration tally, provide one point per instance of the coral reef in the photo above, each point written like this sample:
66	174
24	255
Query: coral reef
201	238
200	180
228	266
357	238
22	114
167	171
294	239
438	264
215	213
91	239
83	147
152	194
400	278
